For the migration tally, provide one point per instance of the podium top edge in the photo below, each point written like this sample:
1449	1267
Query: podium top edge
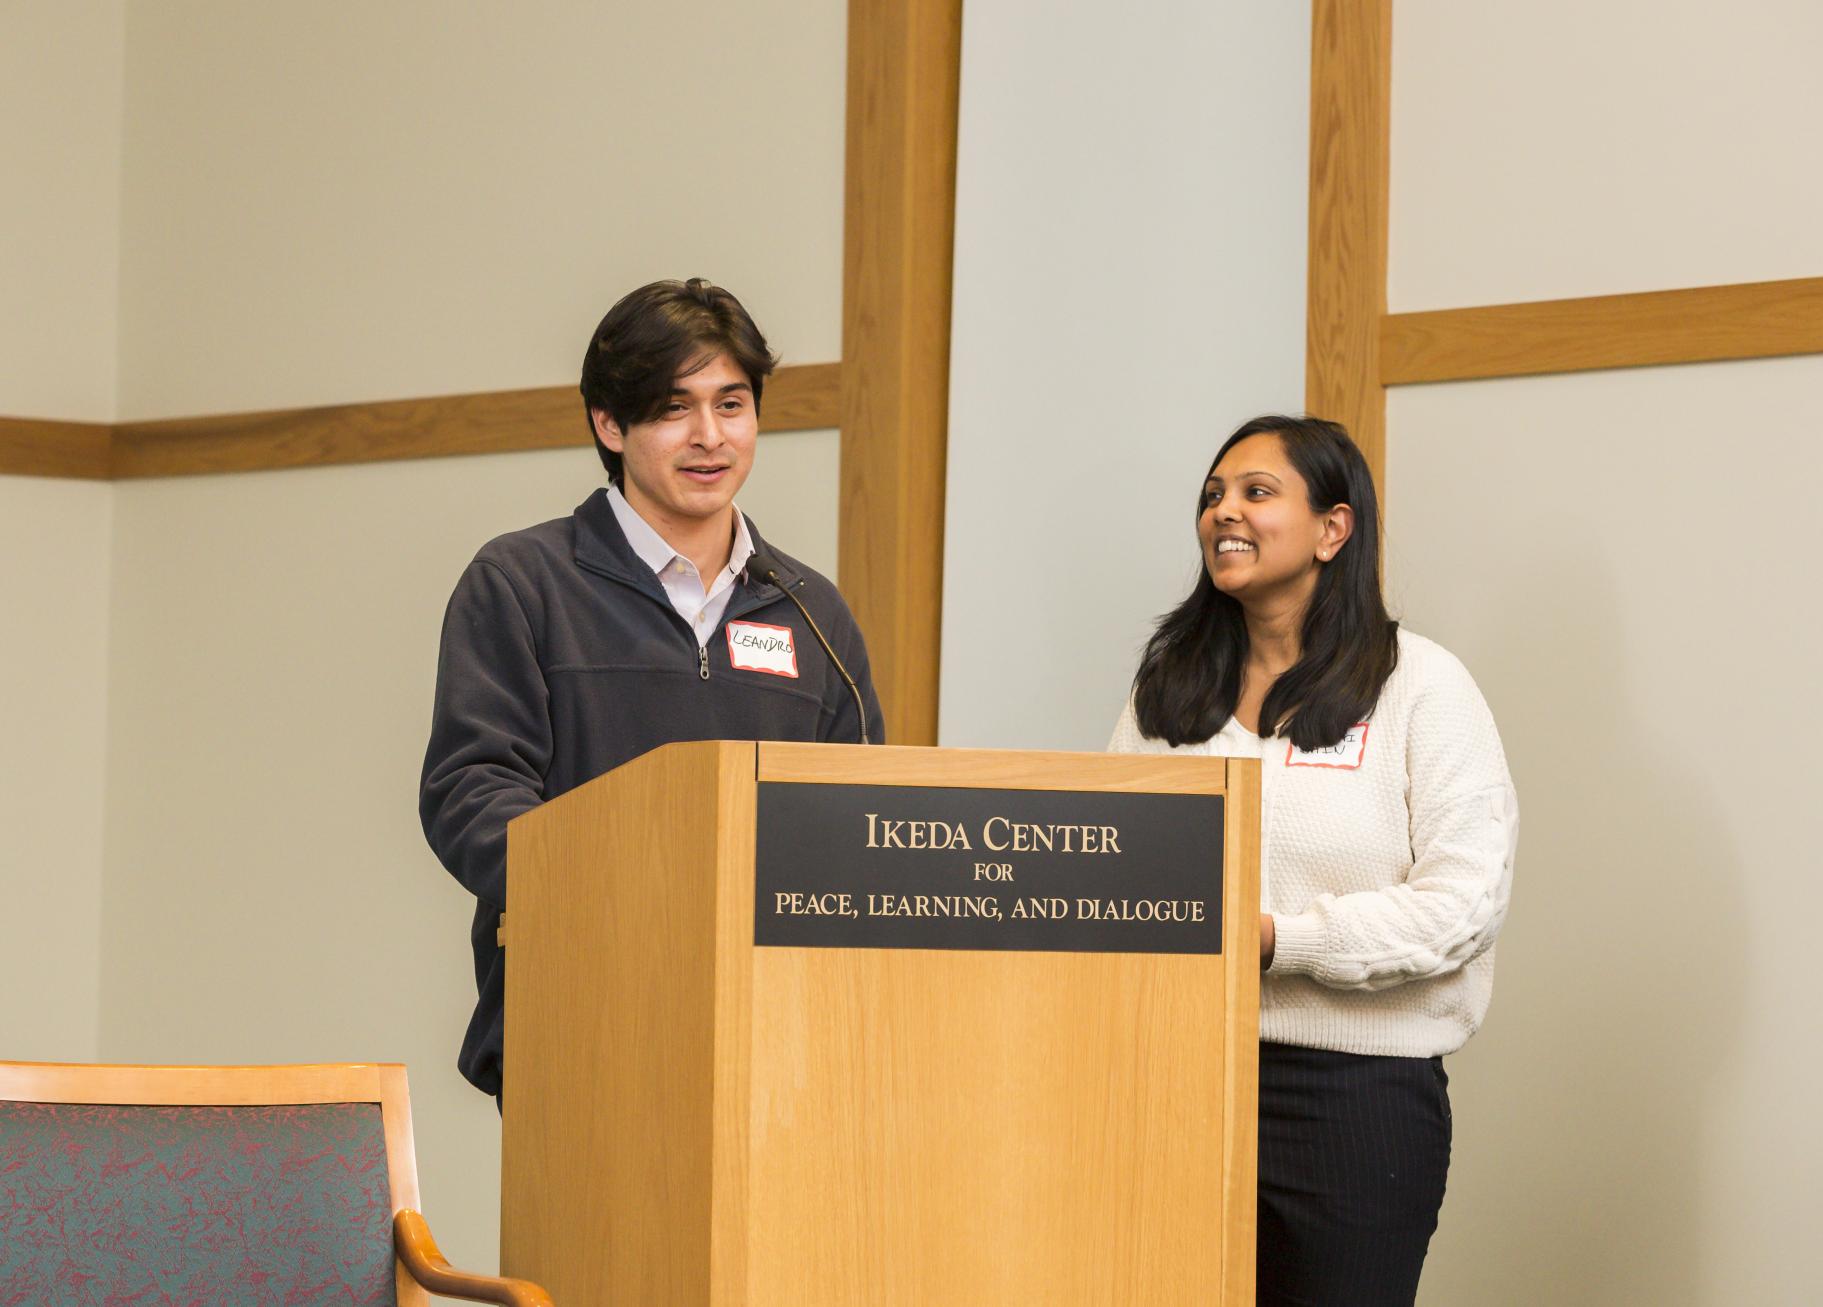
1008	769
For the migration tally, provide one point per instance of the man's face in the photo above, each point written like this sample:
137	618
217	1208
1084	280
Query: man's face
683	468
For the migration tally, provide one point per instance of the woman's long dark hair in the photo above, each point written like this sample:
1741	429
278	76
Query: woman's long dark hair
1189	677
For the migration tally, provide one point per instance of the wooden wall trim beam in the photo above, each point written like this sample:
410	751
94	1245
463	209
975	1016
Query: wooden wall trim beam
1350	119
496	422
805	397
32	447
904	72
1764	319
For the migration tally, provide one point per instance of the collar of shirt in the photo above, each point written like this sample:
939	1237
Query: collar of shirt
657	554
698	604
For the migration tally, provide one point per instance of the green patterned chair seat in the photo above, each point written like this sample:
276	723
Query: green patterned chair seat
118	1205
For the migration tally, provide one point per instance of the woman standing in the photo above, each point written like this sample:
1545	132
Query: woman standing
1388	829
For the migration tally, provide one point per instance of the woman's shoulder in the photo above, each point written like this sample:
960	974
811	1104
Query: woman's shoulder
1446	727
1427	672
1426	668
1422	660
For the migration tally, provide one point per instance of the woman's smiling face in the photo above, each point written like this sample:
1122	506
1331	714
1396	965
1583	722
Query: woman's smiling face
1261	538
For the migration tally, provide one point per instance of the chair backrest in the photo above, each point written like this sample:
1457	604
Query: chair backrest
204	1184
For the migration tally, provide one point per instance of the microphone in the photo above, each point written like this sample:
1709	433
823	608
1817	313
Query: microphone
763	565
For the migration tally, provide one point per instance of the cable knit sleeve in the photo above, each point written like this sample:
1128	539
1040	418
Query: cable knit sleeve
1464	826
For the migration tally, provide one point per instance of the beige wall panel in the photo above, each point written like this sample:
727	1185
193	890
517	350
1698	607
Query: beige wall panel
60	134
1626	563
53	719
1564	148
351	201
271	897
792	495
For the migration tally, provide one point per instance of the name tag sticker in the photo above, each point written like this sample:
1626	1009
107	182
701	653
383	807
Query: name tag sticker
759	647
1344	755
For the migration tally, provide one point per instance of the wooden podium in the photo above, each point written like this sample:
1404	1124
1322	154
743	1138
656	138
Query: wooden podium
929	1098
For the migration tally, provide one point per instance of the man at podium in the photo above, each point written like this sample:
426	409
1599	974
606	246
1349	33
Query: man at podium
655	612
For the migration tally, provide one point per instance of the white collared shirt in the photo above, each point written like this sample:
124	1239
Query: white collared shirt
702	608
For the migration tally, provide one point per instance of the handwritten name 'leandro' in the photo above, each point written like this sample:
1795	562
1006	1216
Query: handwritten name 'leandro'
998	834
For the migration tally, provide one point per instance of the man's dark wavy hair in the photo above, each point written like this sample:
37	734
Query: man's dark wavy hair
652	337
1189	677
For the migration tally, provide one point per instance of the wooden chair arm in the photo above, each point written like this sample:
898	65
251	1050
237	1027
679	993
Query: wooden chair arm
419	1252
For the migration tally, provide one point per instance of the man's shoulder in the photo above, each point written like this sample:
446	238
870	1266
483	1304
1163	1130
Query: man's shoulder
531	548
812	584
814	581
817	593
535	565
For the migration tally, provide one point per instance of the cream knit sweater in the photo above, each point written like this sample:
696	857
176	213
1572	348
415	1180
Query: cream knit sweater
1387	881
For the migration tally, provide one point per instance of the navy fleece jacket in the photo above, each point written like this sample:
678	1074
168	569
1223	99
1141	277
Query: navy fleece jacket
561	659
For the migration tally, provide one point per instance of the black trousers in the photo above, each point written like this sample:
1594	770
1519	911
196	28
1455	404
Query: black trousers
1353	1155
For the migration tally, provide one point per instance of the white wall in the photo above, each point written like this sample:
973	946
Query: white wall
1130	248
1591	147
60	132
348	201
60	143
1624	561
54	540
1618	558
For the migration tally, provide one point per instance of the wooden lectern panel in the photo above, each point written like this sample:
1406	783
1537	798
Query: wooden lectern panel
1027	1131
1012	1126
1241	1066
610	1065
695	1119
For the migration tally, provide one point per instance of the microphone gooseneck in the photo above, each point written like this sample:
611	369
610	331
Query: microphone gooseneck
766	568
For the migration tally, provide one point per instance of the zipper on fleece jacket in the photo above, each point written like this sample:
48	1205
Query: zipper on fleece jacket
736	609
664	604
739	606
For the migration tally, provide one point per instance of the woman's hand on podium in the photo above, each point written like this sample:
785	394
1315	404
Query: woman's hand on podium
1268	938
